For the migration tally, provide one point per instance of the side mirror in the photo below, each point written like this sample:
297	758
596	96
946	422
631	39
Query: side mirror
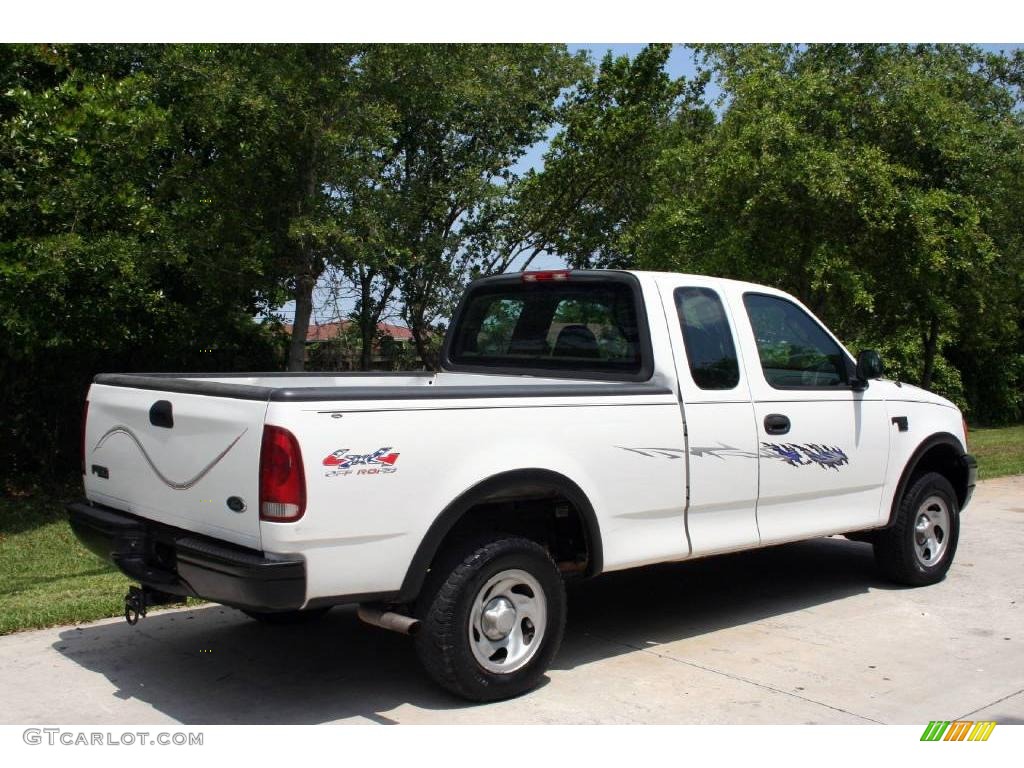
869	366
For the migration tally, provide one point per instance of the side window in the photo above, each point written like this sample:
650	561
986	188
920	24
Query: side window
707	338
794	350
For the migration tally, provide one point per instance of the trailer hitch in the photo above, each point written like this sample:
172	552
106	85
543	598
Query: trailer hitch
139	599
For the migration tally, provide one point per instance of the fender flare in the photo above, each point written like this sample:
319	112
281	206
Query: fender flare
515	484
939	438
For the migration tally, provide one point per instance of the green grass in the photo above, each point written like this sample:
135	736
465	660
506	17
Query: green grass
48	578
999	451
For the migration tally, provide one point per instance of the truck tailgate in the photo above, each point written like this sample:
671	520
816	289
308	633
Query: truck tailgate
177	459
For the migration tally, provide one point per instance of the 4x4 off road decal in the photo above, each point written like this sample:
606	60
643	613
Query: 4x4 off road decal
341	463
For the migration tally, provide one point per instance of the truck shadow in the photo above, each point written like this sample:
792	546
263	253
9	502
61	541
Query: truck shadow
213	665
645	607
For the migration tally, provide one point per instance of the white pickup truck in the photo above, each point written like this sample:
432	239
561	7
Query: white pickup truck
582	422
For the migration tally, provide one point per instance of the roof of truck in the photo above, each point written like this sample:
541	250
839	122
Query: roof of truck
741	284
707	280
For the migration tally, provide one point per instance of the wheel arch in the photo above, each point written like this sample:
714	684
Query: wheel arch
941	452
514	485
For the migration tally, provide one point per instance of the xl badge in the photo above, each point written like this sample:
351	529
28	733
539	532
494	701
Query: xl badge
342	463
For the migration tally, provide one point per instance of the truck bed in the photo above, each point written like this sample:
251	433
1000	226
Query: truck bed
184	468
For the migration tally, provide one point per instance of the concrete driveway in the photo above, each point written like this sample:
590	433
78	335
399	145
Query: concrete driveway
805	633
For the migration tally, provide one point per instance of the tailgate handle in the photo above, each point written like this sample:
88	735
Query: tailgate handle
161	414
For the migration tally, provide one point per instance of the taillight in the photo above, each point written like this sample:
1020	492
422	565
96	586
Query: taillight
966	445
546	275
85	418
282	479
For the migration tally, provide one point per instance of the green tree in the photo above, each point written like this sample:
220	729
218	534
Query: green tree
94	274
598	179
281	139
462	116
860	178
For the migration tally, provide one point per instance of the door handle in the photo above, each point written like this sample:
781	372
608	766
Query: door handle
776	424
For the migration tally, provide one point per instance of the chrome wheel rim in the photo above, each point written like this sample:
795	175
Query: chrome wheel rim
507	621
931	531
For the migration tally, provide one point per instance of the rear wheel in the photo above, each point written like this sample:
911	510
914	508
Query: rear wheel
492	618
919	547
287	617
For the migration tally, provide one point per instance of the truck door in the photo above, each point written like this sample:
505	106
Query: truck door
823	446
721	442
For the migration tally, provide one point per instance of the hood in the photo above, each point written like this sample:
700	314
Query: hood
893	390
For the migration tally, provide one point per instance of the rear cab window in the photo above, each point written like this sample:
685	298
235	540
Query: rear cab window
585	325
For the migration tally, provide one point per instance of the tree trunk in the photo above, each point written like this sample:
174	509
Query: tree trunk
931	348
367	328
300	328
367	333
310	270
370	311
419	337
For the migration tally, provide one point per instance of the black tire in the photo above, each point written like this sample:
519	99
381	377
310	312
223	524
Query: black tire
287	617
896	548
443	639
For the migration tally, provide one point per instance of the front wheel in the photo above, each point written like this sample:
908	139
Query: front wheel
491	618
919	547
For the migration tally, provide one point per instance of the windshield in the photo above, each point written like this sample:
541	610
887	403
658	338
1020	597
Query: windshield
587	325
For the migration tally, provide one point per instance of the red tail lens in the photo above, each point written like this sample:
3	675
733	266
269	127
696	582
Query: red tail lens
282	478
966	443
85	419
546	275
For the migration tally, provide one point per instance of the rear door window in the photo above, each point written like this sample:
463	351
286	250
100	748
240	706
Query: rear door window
710	350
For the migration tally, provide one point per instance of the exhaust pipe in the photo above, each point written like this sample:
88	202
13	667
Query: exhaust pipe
396	622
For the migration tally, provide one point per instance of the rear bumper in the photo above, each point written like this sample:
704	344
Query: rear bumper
182	563
970	465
